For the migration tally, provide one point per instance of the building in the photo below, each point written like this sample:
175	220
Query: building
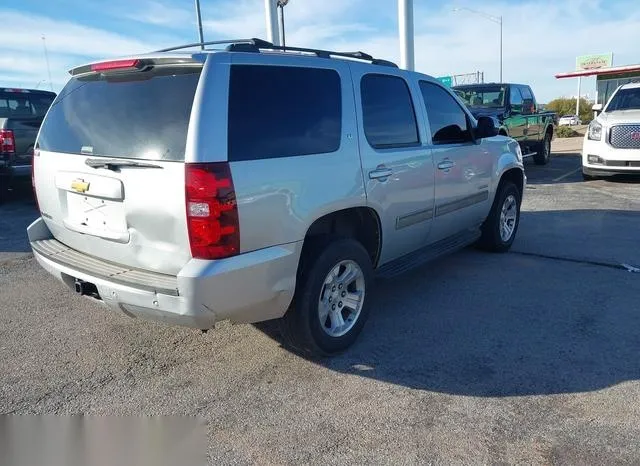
607	79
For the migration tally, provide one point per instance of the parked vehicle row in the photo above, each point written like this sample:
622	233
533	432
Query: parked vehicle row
21	114
197	186
612	142
516	111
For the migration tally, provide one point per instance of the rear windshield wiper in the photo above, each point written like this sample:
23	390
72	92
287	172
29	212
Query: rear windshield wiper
113	164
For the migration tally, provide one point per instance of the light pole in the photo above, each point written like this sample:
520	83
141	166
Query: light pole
46	57
494	19
281	5
199	19
405	30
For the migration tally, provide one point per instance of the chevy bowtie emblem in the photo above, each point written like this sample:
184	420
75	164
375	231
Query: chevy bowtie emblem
80	186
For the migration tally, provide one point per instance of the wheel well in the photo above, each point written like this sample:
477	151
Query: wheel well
516	176
550	130
359	223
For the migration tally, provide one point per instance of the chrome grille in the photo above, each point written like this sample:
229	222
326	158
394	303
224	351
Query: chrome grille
625	136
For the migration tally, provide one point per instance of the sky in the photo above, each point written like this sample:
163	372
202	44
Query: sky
541	37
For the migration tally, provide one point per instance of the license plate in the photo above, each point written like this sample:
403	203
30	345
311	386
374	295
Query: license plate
96	216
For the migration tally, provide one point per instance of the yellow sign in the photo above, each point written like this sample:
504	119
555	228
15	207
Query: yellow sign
80	186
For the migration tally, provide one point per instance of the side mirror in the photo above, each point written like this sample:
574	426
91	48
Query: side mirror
486	128
597	108
527	106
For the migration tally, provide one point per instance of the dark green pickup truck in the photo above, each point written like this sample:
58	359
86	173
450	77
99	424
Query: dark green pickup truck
514	108
21	114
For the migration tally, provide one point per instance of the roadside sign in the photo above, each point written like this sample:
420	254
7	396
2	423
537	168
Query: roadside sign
594	62
446	80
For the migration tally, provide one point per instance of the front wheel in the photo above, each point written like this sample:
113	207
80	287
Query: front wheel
543	154
500	227
331	304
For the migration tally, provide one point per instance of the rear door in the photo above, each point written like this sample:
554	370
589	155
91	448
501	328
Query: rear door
110	170
396	161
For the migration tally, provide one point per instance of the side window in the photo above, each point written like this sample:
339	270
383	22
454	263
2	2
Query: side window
515	100
526	92
283	111
388	115
447	120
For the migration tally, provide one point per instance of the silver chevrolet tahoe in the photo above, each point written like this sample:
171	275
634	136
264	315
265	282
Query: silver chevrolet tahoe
247	182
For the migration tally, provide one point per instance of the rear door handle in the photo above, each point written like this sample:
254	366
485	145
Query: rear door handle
445	165
380	172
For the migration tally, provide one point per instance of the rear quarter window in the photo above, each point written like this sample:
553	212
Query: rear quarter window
141	115
283	111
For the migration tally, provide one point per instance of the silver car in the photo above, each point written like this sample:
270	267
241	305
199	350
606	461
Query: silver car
249	183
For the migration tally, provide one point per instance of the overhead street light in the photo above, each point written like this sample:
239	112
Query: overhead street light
494	19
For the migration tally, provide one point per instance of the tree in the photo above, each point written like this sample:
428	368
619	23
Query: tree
564	106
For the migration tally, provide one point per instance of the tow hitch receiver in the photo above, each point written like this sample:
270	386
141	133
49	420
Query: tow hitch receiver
86	289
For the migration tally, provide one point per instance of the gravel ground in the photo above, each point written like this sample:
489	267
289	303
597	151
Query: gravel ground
526	357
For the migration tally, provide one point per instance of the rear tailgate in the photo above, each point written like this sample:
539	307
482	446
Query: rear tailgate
110	177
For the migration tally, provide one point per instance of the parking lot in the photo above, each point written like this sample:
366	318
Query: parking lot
530	356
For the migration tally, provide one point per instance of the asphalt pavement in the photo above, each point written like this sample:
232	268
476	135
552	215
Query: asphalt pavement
524	357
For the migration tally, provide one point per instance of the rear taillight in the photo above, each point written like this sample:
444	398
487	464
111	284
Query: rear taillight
212	212
7	141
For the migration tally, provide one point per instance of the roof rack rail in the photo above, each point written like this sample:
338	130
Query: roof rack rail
256	45
248	46
250	42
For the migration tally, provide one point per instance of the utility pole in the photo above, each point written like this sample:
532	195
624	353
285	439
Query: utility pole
405	28
281	4
199	18
271	17
46	57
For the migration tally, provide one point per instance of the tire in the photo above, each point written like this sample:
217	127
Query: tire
543	154
492	239
302	326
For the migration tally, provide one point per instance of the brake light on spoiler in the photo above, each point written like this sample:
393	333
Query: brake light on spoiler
116	65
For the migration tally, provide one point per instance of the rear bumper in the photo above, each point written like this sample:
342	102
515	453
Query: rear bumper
251	287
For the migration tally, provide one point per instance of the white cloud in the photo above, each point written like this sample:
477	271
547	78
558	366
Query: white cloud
160	14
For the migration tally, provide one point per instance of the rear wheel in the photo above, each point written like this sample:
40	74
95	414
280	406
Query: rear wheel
331	303
543	154
500	227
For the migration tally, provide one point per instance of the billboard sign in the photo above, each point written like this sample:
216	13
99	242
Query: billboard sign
594	62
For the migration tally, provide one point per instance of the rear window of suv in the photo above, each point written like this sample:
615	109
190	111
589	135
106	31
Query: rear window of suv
283	111
141	115
24	104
